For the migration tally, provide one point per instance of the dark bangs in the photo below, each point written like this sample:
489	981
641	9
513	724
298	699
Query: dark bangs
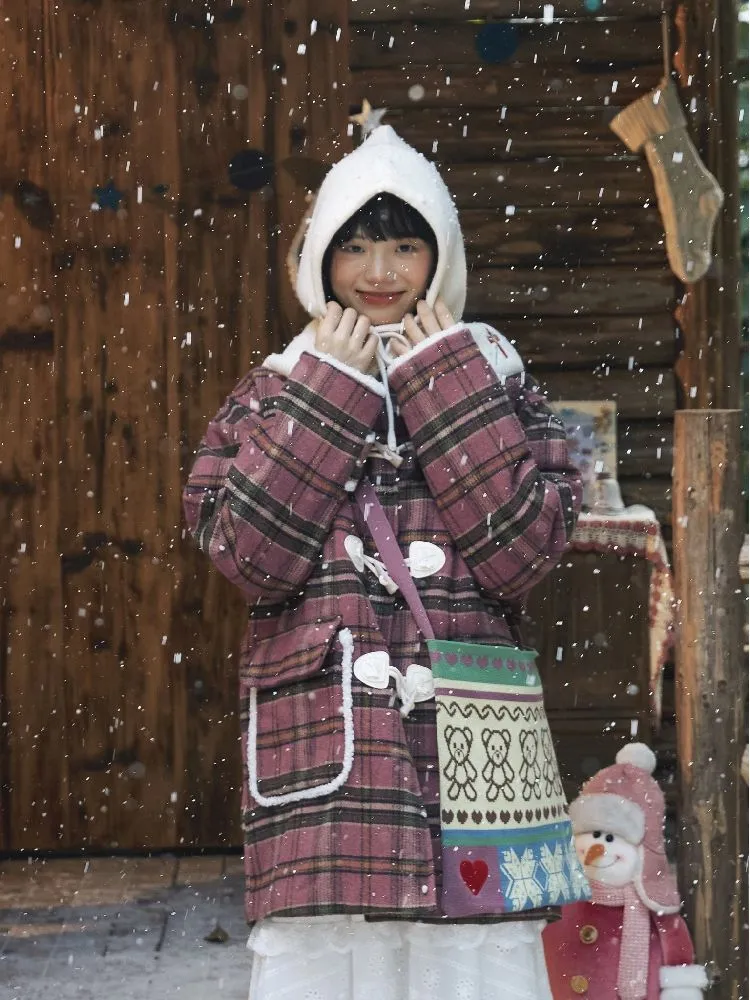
384	217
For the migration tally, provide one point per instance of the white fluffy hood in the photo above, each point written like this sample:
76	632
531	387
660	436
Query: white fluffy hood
384	163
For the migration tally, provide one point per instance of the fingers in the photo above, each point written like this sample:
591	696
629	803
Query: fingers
412	330
346	336
427	318
330	321
444	315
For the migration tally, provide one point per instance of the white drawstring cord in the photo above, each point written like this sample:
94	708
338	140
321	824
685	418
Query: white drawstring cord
387	333
378	568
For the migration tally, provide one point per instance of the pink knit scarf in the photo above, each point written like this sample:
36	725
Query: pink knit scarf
632	974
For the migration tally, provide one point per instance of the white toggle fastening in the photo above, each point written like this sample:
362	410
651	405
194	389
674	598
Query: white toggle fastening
425	559
417	685
375	670
356	552
392	455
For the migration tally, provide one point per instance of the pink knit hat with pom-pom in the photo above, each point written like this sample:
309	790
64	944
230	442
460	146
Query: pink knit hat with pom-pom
625	799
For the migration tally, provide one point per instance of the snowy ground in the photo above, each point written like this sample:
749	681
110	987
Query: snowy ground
123	929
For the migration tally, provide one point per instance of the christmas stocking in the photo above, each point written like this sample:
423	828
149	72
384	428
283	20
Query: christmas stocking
689	197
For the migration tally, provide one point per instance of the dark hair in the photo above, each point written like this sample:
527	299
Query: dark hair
384	217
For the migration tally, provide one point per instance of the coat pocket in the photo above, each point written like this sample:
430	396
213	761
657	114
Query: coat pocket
291	656
300	733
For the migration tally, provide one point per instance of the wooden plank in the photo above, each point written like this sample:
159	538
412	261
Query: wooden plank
710	314
196	869
113	306
554	236
581	181
221	86
33	793
655	493
506	133
588	341
501	85
109	882
645	449
591	605
525	44
35	799
310	98
27	884
711	686
639	394
570	291
458	10
224	324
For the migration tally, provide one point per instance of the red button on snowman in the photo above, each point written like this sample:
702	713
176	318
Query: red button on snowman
629	942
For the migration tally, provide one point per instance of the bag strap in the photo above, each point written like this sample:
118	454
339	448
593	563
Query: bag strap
382	533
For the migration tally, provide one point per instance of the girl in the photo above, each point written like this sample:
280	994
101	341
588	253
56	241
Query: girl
341	804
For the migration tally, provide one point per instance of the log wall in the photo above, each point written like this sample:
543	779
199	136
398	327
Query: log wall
565	242
142	275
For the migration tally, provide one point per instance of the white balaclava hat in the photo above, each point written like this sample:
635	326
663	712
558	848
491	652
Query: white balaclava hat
384	163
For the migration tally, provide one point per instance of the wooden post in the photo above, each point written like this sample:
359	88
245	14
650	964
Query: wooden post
711	692
708	366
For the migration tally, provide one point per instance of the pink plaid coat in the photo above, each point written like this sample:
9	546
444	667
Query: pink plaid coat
344	810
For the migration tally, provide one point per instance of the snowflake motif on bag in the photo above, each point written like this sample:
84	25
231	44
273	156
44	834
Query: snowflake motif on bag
550	772
459	770
521	875
554	864
529	772
497	772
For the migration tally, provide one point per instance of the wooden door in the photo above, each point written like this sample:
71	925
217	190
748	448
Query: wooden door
138	255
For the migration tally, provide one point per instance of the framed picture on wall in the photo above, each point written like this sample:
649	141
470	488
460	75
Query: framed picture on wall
591	428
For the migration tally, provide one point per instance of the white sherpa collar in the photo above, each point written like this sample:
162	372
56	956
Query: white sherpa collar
304	342
384	163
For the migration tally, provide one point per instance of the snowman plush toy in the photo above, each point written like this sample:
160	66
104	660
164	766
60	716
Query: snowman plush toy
629	942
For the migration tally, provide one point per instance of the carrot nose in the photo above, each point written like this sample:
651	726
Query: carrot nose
594	852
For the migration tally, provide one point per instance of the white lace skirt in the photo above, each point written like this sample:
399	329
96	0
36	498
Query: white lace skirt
347	958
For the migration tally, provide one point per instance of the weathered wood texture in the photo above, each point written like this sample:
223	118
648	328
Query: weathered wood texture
708	368
309	59
123	328
455	10
711	691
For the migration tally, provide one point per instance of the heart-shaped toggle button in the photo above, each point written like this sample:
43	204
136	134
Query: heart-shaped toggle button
373	669
425	559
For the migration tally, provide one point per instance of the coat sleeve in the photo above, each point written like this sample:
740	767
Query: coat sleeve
495	459
272	471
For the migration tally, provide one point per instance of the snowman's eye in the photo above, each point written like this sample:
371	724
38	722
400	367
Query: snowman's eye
609	838
596	834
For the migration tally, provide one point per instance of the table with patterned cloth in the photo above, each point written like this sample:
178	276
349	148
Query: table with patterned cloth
636	532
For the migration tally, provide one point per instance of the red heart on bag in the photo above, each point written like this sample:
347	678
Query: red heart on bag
474	874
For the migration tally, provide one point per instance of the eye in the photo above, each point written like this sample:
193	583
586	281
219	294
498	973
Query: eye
609	838
407	248
596	834
351	248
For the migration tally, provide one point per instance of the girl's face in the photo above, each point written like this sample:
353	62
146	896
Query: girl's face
381	279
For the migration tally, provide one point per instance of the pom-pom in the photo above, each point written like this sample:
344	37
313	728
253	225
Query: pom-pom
639	755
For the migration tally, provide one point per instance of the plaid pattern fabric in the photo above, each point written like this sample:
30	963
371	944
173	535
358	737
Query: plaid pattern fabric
485	477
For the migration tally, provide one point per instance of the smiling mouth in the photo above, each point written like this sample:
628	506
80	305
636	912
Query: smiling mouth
600	867
379	296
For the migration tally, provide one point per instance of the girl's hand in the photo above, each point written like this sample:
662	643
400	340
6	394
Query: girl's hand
426	323
346	337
